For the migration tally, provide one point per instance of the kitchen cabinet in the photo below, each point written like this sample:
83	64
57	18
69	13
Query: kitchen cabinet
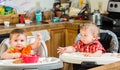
57	40
62	36
70	36
71	33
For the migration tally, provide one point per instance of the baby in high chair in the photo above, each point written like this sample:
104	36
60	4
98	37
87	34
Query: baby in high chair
88	43
19	46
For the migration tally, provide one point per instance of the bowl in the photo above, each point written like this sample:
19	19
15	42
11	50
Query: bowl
20	25
30	58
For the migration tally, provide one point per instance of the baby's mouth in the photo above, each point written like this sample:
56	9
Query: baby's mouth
19	47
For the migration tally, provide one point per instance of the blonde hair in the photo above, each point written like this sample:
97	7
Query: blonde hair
91	27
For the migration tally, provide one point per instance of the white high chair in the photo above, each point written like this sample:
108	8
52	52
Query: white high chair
42	50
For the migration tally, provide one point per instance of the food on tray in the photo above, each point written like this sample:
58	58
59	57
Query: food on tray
18	61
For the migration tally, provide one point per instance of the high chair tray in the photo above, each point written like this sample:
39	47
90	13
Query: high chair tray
42	61
78	58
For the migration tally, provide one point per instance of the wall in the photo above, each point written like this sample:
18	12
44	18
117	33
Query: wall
23	5
93	4
98	4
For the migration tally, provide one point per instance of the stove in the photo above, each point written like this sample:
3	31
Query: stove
114	11
114	6
112	20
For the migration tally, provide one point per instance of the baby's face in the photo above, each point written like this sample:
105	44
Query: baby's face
86	36
18	41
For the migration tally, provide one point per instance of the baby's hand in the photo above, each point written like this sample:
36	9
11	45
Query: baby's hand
61	50
38	36
16	55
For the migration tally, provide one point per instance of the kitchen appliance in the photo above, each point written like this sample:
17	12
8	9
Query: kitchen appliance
114	12
112	20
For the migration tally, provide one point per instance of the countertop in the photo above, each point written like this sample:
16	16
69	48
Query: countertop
35	26
39	26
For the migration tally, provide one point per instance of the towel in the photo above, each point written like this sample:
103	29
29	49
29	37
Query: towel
44	34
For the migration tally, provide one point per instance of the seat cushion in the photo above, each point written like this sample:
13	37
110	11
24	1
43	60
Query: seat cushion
105	40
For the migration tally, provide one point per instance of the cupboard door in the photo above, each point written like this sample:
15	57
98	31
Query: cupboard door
57	40
70	36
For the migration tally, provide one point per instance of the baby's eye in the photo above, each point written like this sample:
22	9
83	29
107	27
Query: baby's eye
84	35
22	40
15	40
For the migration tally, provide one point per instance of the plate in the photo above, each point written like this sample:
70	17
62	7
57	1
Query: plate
41	61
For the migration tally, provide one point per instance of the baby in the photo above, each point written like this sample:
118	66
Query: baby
88	42
19	46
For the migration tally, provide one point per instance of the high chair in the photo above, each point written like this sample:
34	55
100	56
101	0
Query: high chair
42	50
108	39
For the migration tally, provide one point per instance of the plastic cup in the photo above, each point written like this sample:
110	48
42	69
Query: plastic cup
6	23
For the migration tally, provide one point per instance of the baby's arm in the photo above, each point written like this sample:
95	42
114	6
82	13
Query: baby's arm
37	42
66	49
7	55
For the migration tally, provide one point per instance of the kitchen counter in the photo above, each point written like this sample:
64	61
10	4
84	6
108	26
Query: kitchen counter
35	26
40	26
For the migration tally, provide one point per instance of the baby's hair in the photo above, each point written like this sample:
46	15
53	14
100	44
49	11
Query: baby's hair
17	31
91	27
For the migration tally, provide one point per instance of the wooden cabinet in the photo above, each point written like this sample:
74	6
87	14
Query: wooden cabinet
62	36
57	40
71	33
70	36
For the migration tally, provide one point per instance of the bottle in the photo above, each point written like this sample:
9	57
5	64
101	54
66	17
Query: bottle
97	17
38	16
38	12
22	16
